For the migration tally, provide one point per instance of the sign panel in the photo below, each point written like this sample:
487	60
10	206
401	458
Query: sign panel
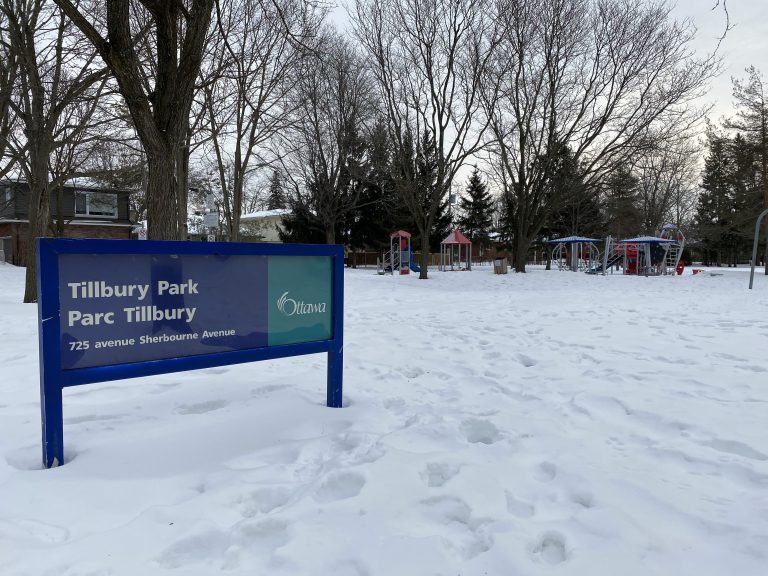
112	309
211	219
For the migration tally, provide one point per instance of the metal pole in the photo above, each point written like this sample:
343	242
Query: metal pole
754	246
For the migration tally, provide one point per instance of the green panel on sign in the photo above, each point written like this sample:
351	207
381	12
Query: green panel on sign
300	300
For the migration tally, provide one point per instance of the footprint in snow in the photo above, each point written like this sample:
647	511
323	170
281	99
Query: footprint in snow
437	474
261	538
518	507
545	472
526	361
583	498
264	500
197	548
340	486
449	513
479	431
550	548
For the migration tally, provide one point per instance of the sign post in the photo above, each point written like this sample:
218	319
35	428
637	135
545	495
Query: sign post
114	309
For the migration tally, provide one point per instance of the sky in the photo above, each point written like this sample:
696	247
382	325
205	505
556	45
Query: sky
745	44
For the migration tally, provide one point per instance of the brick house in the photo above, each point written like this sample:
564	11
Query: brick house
76	212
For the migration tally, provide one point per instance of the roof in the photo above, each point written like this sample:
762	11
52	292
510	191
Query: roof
260	215
646	240
456	237
400	234
572	240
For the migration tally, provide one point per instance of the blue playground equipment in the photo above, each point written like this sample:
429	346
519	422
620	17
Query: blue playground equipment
415	267
645	255
575	253
399	257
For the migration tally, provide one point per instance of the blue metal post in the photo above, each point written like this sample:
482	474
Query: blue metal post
336	353
53	424
49	353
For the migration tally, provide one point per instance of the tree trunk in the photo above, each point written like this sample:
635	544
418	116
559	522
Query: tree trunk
161	196
424	258
521	251
182	179
330	233
237	211
39	212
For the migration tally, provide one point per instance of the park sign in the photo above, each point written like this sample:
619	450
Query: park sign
114	309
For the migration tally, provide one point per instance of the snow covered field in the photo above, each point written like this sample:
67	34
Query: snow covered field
519	425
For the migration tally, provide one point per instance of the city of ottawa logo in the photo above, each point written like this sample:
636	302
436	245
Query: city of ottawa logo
291	307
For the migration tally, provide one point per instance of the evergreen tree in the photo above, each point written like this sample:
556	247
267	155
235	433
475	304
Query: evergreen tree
751	120
476	210
301	225
276	199
714	214
576	210
621	209
373	219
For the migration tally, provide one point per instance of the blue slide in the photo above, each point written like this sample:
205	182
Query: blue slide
413	265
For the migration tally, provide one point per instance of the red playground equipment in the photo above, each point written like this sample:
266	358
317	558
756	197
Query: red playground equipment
456	252
647	255
399	257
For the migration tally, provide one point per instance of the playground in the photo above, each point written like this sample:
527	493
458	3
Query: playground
659	255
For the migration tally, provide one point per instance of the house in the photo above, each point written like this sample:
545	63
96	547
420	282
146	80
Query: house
76	212
264	225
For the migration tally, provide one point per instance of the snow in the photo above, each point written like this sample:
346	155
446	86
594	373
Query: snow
265	214
526	424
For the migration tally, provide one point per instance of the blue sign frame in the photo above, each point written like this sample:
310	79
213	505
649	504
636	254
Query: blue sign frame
54	378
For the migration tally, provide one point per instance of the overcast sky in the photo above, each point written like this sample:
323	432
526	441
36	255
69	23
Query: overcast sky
745	44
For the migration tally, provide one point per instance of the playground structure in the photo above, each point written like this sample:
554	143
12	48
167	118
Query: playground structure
575	253
399	257
451	249
645	255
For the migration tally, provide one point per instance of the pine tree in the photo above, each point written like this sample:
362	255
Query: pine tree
301	225
752	121
576	210
476	210
373	219
715	209
621	209
276	198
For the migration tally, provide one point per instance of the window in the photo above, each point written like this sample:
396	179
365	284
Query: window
100	204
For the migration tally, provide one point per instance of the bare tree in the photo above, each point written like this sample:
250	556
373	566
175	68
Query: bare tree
56	76
246	97
8	71
334	91
667	184
608	78
157	92
428	57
